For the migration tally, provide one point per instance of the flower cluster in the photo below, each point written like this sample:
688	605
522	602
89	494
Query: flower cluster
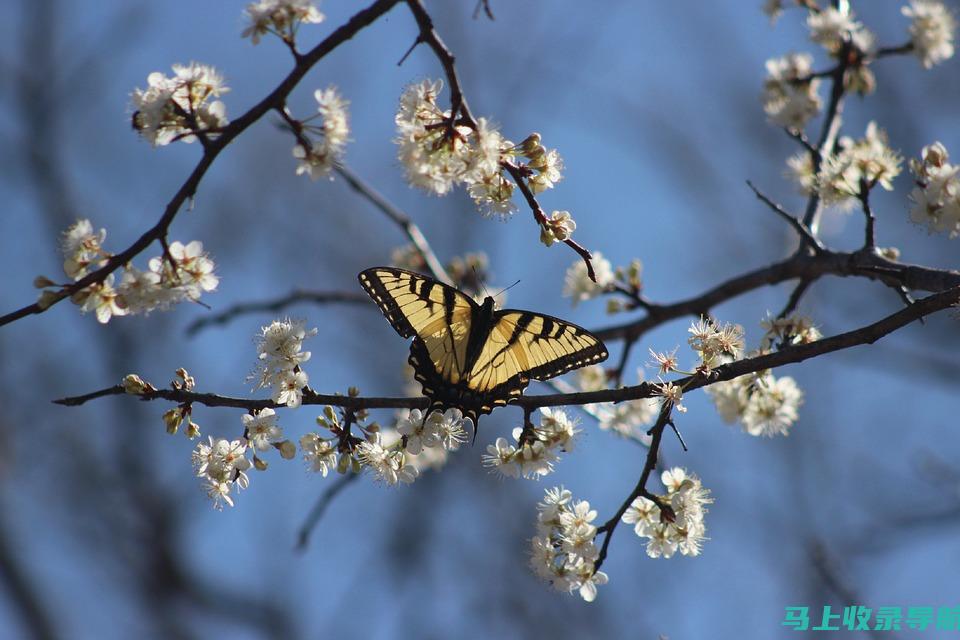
868	160
222	464
280	17
439	151
788	331
563	551
419	442
936	198
577	284
184	273
932	28
557	228
333	132
261	430
675	521
715	344
790	93
386	461
763	404
536	450
179	108
279	350
832	27
447	430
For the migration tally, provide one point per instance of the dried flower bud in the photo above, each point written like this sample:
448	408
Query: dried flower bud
287	449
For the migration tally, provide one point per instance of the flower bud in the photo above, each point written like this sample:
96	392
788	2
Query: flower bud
287	449
42	282
173	418
47	298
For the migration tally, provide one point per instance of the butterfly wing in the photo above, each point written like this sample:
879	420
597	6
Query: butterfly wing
523	345
437	315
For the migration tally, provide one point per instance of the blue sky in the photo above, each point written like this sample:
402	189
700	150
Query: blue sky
654	107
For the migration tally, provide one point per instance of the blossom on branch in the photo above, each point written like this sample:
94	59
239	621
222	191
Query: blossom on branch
536	450
563	551
932	29
936	198
280	17
333	133
177	108
763	404
279	350
557	228
577	283
831	27
790	95
222	464
868	159
676	524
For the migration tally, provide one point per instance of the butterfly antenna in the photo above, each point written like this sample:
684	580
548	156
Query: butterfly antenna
476	276
507	288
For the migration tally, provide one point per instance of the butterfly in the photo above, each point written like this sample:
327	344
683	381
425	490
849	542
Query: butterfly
471	356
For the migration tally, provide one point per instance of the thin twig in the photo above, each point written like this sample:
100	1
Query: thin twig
540	217
828	136
641	489
485	6
320	507
429	36
795	297
399	218
806	236
869	240
276	304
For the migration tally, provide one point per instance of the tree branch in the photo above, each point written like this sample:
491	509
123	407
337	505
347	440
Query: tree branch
865	264
641	489
188	189
798	353
402	220
805	234
276	304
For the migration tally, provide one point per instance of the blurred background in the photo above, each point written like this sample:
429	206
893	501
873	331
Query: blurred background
104	531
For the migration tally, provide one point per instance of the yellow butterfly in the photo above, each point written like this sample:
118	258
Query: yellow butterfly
470	356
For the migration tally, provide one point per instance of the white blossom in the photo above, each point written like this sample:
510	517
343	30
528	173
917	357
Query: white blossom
176	108
319	453
932	30
388	464
868	159
280	354
763	404
684	528
81	248
101	298
333	133
222	464
790	95
830	27
557	228
280	17
936	198
564	551
577	283
261	429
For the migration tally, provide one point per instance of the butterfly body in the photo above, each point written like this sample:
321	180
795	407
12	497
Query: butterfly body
471	356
